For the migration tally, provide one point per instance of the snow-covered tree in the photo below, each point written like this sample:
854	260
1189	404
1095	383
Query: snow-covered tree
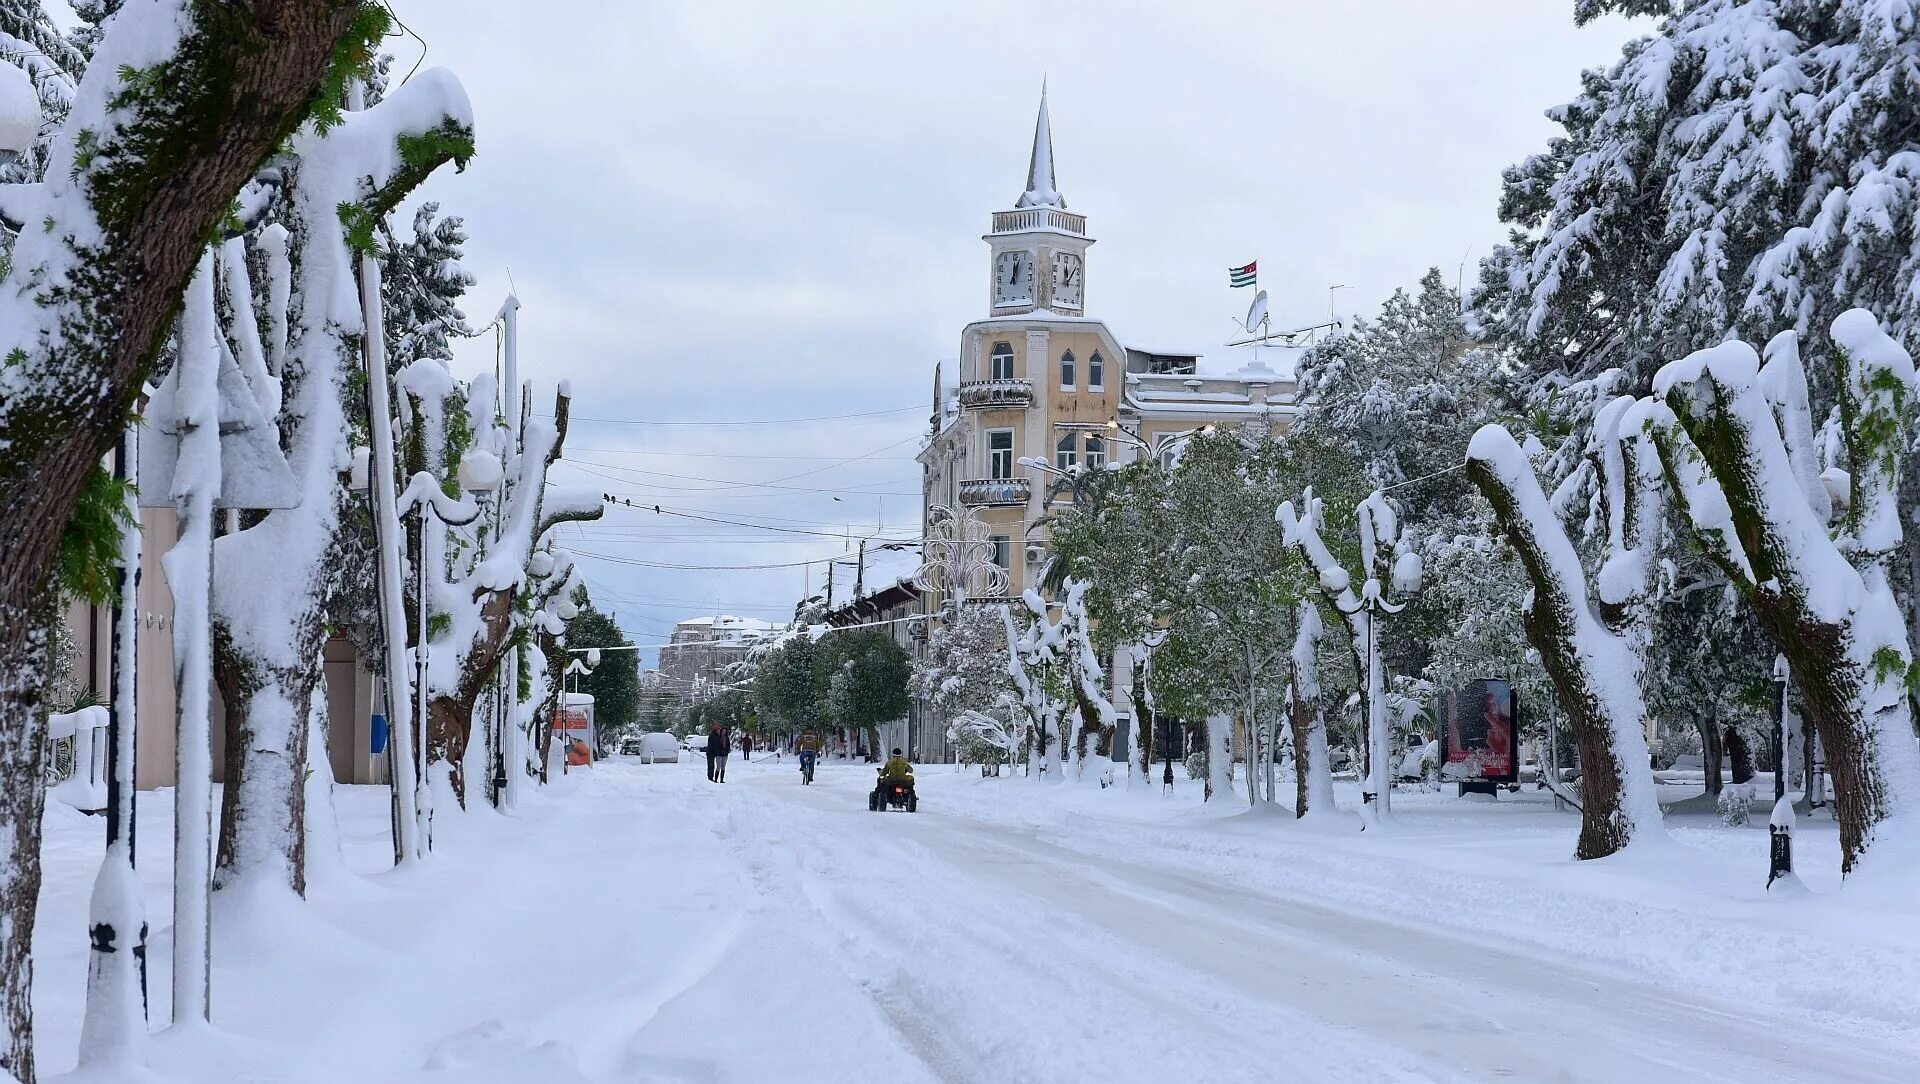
1591	641
1389	564
1312	769
1742	169
274	577
964	666
422	283
179	107
30	42
1738	444
481	570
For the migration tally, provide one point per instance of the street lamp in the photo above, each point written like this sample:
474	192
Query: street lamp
479	474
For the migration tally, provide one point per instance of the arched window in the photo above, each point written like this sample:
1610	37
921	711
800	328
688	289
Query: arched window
1066	371
1000	366
1096	372
1096	452
1064	454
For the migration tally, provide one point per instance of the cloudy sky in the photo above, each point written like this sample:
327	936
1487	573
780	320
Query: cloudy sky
722	213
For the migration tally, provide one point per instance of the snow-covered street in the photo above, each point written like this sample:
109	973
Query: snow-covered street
642	924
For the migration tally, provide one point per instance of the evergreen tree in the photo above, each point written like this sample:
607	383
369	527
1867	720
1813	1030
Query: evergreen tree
423	283
862	678
1744	169
615	683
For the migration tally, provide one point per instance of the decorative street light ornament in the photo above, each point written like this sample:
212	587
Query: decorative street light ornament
957	557
19	110
480	471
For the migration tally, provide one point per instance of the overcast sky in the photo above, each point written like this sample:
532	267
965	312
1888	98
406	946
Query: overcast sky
731	212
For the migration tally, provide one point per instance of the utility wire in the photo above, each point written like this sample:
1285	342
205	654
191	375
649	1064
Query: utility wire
741	421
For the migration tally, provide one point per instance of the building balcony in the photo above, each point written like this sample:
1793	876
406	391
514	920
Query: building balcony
987	492
990	394
1039	218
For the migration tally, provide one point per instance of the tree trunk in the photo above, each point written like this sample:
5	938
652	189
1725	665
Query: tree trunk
1312	771
1144	726
263	804
449	727
226	97
1594	671
1740	754
1752	514
1710	753
22	798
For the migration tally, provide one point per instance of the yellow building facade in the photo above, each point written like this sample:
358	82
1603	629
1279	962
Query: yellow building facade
1042	389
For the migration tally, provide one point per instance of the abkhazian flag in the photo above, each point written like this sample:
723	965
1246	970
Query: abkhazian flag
1242	276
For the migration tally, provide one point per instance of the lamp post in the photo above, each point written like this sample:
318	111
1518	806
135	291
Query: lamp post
1780	824
479	475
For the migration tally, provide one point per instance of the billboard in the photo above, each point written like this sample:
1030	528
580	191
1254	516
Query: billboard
1481	737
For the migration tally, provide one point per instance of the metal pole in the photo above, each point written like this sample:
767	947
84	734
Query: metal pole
1779	727
423	800
510	319
115	1022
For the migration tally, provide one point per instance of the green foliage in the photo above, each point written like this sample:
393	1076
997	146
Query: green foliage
423	153
90	546
783	687
359	223
615	683
862	677
353	57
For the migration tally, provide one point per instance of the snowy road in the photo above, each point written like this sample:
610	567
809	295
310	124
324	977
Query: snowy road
645	927
1227	977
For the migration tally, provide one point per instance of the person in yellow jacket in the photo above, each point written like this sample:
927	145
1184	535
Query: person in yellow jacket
896	770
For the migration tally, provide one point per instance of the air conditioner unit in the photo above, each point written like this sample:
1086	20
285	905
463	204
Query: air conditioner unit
1036	553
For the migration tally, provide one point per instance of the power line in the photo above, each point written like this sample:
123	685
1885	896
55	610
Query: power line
628	503
722	484
736	455
742	421
701	568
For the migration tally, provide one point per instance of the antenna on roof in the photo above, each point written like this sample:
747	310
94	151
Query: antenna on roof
1256	321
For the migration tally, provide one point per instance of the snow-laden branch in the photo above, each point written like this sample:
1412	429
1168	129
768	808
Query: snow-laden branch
1381	535
1736	441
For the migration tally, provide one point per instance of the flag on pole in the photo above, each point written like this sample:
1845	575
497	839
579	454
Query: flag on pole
1242	276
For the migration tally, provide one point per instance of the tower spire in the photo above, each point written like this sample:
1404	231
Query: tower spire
1040	184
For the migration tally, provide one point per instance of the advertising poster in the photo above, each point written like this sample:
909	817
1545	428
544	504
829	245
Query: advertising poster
1482	737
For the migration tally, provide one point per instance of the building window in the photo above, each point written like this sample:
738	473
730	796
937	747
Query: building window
1066	371
1096	452
1096	372
1064	455
1002	550
999	453
1000	366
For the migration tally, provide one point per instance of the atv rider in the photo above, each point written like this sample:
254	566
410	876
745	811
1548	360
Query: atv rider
896	770
808	747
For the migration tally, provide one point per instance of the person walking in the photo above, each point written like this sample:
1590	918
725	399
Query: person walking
746	746
716	754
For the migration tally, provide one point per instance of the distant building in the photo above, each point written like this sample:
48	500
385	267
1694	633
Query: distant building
1043	392
694	661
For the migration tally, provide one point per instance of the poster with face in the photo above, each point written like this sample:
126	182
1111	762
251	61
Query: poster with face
1482	739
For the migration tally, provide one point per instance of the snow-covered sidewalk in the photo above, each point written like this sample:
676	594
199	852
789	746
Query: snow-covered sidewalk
640	924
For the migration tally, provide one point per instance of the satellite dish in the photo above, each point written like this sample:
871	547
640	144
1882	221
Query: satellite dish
1257	312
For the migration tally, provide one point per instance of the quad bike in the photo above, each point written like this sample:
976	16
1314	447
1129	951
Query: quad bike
894	794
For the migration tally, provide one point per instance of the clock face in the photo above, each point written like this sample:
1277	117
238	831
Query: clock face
1013	278
1068	274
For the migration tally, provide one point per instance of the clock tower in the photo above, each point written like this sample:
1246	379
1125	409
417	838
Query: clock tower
1039	249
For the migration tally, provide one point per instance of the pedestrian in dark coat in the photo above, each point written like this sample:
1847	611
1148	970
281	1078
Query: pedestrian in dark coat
717	754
